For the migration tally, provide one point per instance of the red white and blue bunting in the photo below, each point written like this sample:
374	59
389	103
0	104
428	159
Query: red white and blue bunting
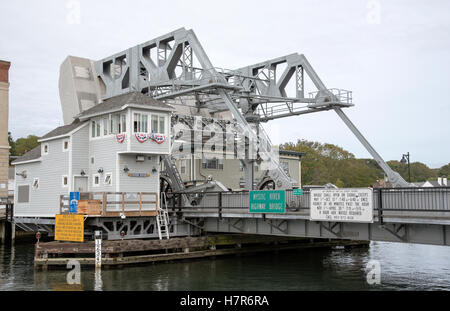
158	138
141	137
120	138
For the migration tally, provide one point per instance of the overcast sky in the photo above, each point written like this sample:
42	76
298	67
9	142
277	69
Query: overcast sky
393	55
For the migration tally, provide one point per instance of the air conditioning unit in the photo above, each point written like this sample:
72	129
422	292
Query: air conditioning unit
140	158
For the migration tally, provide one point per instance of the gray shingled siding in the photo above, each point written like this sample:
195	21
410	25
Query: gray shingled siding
80	153
104	150
140	184
44	202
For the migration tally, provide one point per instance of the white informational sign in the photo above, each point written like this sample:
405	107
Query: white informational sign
342	205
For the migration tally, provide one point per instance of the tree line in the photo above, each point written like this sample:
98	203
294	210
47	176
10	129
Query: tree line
326	163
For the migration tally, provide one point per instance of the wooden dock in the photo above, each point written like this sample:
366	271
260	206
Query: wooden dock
131	252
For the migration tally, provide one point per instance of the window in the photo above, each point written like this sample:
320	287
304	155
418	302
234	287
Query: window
36	184
95	129
285	166
158	124
212	163
46	148
105	126
108	179
183	166
123	125
92	160
154	124
96	180
65	181
161	125
23	195
65	145
140	123
118	123
241	166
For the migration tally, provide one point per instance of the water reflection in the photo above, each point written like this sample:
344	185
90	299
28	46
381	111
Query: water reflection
403	266
98	286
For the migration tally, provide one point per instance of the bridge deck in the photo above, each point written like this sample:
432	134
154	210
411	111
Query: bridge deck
400	215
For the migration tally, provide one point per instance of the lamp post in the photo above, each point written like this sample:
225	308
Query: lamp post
405	158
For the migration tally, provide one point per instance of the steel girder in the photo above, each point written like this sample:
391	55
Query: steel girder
169	73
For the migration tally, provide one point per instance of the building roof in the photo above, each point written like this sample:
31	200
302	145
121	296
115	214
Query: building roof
119	102
434	183
292	153
33	154
63	130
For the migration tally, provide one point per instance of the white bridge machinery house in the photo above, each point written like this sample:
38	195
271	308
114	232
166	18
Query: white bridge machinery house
112	149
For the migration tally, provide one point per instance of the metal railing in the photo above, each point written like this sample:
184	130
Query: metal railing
403	201
342	96
114	204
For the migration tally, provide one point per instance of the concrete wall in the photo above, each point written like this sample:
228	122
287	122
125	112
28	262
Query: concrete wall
4	145
79	88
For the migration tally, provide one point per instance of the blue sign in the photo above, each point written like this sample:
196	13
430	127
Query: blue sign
73	202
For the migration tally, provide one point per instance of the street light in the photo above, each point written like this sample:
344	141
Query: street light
404	159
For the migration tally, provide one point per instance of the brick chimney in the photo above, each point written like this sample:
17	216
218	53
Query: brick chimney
4	145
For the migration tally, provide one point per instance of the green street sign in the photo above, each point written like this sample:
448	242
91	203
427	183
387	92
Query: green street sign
298	191
267	201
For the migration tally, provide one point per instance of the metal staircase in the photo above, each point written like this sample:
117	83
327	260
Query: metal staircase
162	218
174	175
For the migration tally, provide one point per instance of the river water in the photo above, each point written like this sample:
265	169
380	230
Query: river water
402	267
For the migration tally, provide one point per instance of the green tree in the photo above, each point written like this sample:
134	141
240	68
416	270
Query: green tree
23	145
12	146
444	171
326	163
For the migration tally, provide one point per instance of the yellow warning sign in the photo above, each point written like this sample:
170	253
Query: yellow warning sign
69	227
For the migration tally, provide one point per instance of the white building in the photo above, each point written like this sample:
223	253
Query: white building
114	146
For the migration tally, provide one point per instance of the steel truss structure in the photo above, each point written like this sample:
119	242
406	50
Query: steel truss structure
166	68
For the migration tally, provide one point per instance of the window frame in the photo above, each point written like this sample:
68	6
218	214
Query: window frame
93	180
207	164
158	116
110	179
62	181
96	129
139	125
117	123
64	145
43	149
34	181
18	193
